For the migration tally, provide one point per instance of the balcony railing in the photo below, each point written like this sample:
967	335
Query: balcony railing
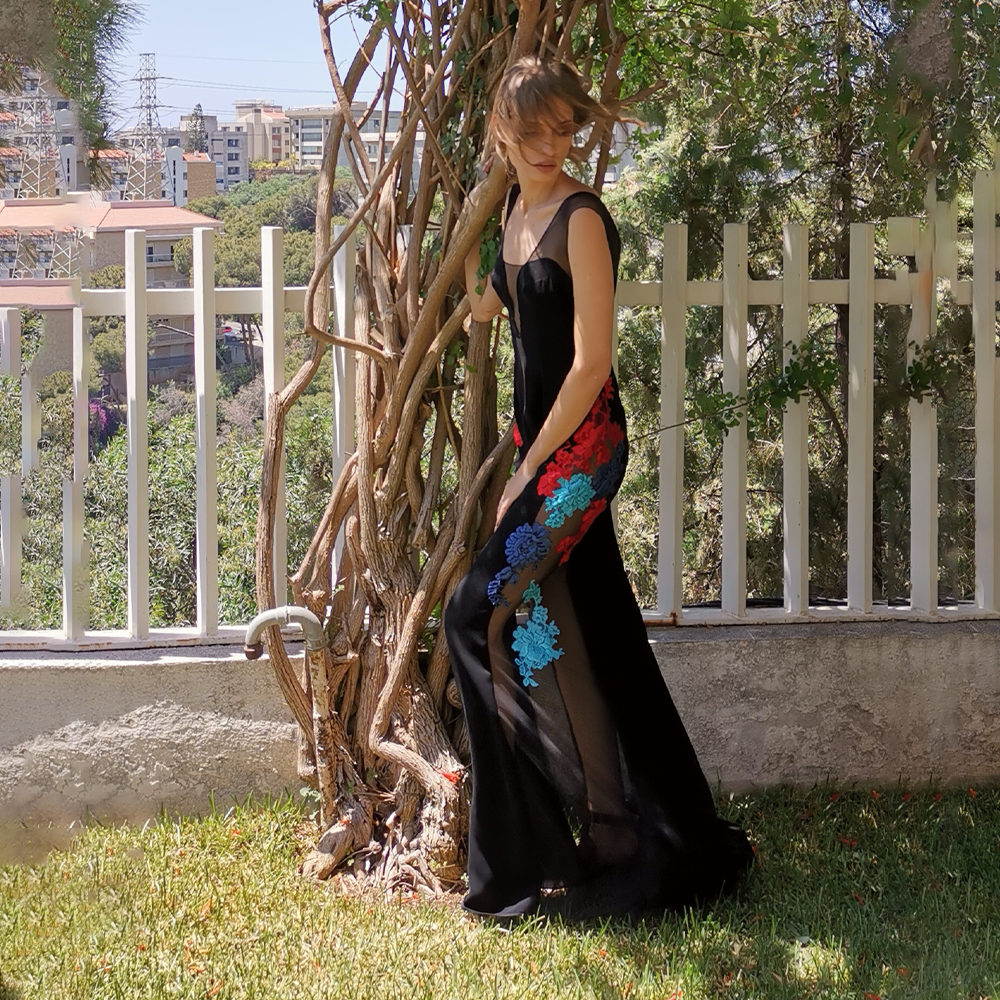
204	302
932	241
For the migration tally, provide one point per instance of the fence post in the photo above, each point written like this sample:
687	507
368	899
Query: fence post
31	419
136	322
795	431
673	337
76	551
735	306
203	275
272	269
342	273
923	417
11	512
860	414
984	328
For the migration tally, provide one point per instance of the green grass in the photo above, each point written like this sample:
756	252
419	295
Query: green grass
853	896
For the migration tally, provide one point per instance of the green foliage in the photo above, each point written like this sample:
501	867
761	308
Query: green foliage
802	113
196	140
285	200
933	369
77	42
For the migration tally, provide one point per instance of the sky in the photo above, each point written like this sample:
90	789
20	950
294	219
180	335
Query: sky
212	52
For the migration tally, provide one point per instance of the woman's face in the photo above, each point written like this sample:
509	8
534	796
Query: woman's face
545	144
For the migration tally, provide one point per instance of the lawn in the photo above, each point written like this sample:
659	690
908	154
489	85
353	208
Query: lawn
857	893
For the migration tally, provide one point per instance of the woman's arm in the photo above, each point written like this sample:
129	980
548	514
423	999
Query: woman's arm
592	271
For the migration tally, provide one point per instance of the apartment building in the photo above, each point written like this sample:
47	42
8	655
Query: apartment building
192	175
310	127
227	147
42	150
621	156
268	130
45	239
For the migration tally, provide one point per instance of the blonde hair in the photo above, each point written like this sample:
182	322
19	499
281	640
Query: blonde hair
525	95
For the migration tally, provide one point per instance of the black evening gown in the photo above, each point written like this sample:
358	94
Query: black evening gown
570	722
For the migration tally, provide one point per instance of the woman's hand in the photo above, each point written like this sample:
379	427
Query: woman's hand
512	490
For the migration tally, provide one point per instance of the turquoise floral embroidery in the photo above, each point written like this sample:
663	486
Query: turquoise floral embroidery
534	640
569	496
527	543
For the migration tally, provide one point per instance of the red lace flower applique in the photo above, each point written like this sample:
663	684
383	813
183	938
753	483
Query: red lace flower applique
565	545
517	435
562	466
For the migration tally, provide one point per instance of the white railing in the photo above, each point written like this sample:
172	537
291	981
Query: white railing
932	241
203	301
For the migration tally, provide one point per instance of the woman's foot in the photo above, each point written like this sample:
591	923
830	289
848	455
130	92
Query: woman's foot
608	839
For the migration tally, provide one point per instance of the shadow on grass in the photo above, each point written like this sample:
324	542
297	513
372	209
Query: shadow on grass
860	893
9	992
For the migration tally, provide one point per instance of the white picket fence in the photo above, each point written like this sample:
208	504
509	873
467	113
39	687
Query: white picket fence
204	302
933	241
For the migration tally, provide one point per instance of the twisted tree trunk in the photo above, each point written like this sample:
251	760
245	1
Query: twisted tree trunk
376	708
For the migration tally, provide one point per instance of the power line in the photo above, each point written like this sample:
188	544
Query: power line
246	86
244	59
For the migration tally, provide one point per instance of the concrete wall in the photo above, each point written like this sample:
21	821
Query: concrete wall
870	702
121	734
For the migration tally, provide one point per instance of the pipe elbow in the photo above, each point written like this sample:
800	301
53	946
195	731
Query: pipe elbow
289	614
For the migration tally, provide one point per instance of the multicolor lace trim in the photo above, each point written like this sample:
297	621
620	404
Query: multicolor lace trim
534	641
583	471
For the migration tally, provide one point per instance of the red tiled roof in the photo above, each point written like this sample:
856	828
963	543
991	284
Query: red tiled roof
100	216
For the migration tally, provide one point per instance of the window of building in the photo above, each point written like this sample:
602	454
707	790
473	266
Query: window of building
312	136
232	142
286	130
67	140
62	105
233	156
233	170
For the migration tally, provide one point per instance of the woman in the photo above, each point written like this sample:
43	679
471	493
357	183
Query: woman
569	719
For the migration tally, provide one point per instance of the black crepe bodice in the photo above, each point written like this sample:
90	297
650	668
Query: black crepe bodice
538	295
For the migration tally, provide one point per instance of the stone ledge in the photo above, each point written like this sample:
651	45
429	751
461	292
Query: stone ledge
117	736
120	735
867	702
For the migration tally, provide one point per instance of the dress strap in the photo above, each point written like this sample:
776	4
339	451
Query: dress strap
511	198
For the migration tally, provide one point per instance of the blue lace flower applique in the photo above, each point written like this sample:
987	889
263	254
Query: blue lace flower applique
534	640
569	496
527	543
494	589
608	474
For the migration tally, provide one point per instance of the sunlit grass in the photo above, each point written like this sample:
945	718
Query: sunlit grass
855	894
